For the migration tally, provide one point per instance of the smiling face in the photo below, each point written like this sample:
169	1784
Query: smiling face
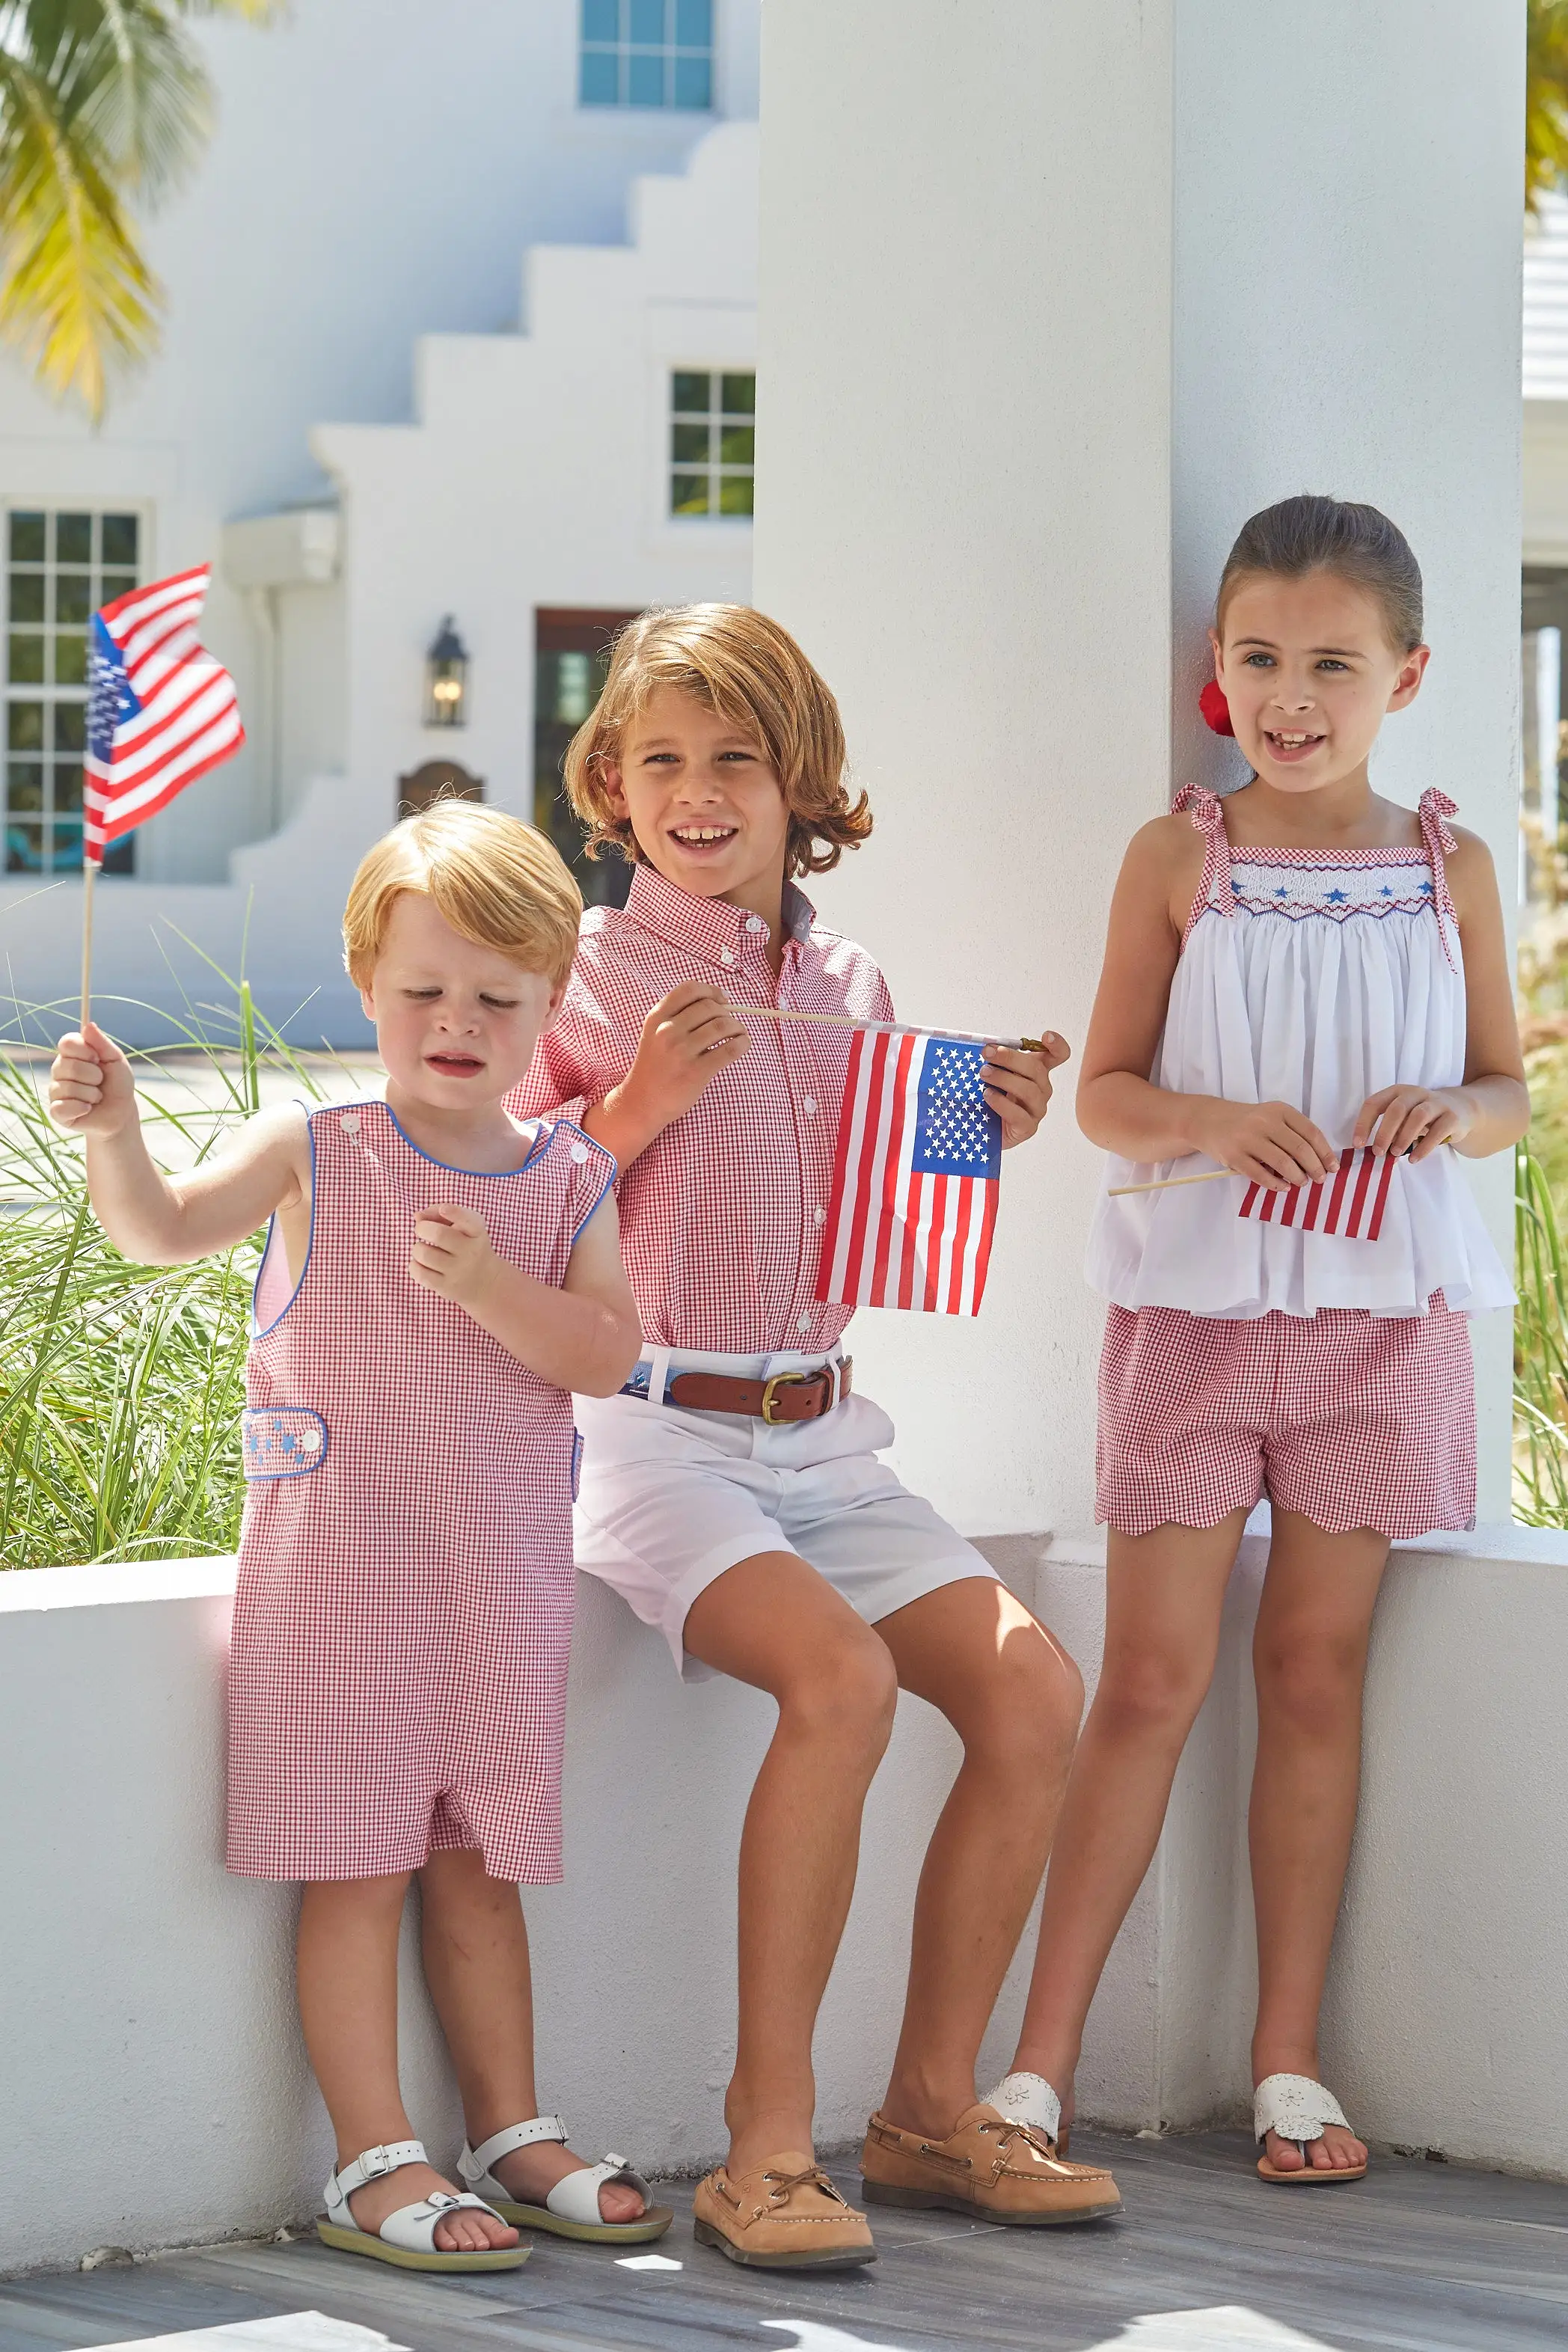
455	1022
706	806
1310	675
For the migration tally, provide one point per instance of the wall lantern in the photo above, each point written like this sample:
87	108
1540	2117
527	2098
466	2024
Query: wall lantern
446	678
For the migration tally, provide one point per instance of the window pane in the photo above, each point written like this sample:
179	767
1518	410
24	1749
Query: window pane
25	661
73	596
116	584
737	445
26	595
740	395
24	725
688	446
68	787
596	85
24	849
693	83
694	24
646	23
120	858
73	538
67	844
689	395
120	539
735	494
25	785
70	726
70	659
644	79
689	494
27	538
601	20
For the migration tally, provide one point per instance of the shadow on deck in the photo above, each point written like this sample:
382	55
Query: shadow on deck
1417	2258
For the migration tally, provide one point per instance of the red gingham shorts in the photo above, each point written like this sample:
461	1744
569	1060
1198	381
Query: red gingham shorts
1354	1420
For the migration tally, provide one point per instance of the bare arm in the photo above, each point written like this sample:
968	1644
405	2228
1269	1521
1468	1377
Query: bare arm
158	1220
1118	1107
688	1038
584	1336
1490	1109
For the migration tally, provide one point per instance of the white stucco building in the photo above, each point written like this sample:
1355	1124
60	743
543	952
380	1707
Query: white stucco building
477	341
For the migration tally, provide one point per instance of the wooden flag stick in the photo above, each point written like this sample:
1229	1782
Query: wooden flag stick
1165	1184
88	876
892	1028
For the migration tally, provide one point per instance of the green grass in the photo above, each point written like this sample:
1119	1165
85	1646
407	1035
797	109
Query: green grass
122	1386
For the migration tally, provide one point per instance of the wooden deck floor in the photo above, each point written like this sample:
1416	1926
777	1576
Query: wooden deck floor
1419	2258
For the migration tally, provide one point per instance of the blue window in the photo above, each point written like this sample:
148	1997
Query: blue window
656	53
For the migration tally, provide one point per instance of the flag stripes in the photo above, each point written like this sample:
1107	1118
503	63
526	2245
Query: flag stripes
913	1204
1350	1202
162	711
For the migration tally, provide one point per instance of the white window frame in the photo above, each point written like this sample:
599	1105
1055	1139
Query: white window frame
671	52
713	467
48	691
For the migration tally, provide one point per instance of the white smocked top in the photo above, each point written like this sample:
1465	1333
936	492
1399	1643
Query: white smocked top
1313	978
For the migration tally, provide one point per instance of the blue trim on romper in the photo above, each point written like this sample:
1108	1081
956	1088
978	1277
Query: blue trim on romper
541	1145
304	1468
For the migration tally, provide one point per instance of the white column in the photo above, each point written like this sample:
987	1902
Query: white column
987	494
1052	299
1347	305
964	510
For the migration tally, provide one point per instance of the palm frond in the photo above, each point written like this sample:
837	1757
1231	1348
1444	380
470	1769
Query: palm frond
1546	100
75	292
144	97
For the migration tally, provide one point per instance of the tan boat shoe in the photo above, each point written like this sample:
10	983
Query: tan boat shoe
786	2215
1004	2170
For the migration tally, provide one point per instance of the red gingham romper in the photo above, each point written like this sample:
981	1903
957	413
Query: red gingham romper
397	1677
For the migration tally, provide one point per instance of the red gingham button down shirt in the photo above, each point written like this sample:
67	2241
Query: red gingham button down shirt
721	1217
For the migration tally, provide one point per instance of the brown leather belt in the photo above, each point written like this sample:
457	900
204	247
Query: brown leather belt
787	1396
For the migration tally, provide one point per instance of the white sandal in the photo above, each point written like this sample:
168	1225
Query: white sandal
1030	2099
572	2208
1298	2108
407	2237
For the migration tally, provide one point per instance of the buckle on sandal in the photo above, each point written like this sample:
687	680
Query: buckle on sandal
779	1381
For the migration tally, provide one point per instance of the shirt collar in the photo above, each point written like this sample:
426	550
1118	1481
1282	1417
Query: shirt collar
710	927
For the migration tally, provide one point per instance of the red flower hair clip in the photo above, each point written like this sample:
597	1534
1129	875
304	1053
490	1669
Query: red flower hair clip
1216	708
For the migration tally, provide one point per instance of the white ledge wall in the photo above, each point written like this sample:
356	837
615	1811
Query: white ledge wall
150	2028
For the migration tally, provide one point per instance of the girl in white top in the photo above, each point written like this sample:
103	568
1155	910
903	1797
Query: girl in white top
1302	971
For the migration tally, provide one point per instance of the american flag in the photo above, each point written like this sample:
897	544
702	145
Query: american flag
916	1178
160	712
1351	1201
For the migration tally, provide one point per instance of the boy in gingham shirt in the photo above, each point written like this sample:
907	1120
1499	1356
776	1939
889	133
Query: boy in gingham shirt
731	1494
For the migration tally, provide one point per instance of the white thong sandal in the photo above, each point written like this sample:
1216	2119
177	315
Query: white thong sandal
407	2237
1029	2099
572	2208
1298	2108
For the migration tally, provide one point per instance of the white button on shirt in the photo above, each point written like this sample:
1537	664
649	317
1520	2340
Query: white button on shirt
819	1216
755	923
726	955
809	1107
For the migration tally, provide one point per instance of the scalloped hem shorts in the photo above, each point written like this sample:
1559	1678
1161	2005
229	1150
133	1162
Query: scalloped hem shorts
1354	1420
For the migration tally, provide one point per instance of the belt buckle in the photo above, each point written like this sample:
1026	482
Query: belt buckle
779	1381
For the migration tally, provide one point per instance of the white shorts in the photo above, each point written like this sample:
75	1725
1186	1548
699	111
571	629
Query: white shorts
669	1499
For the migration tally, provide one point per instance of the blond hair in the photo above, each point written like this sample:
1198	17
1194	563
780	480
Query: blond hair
496	880
743	667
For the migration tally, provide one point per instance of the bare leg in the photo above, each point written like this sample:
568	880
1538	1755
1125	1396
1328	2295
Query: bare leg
1309	1658
774	1622
346	1965
1014	1697
475	1964
1163	1594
